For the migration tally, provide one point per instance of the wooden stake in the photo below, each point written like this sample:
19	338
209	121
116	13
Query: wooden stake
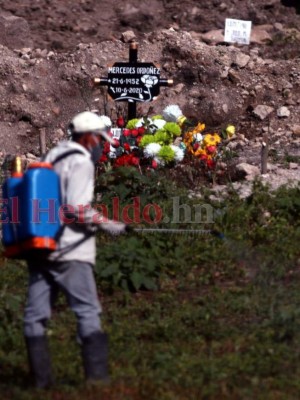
43	141
264	154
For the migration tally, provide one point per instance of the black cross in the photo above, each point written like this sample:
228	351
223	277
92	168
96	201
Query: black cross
133	81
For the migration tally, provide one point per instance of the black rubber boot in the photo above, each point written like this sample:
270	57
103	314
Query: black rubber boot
95	357
39	361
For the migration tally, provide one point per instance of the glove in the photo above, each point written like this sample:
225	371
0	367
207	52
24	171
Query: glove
114	227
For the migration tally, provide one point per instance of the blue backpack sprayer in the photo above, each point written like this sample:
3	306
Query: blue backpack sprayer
31	201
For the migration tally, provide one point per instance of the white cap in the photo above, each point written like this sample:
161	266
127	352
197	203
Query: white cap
88	121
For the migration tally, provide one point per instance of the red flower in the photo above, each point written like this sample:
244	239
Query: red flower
134	132
121	161
203	157
134	161
126	132
106	148
115	143
103	158
138	139
127	159
120	122
126	147
211	149
210	164
196	146
141	130
154	164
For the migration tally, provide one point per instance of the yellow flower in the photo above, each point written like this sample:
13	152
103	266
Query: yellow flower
211	139
230	130
199	128
200	152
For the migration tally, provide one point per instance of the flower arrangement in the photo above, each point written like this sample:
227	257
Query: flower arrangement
158	142
202	146
145	141
162	140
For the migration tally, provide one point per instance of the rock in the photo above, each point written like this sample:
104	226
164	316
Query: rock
31	156
193	93
293	165
178	88
287	84
213	37
25	57
241	60
271	167
59	133
283	112
247	170
278	26
232	145
56	110
262	111
260	35
128	36
14	32
225	108
224	73
234	76
296	130
290	102
223	7
244	189
25	50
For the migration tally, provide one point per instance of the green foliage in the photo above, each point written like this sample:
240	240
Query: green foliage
132	123
292	158
219	318
146	139
126	264
166	153
127	183
161	137
156	117
172	128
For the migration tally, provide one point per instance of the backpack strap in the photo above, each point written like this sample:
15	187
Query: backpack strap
66	154
56	160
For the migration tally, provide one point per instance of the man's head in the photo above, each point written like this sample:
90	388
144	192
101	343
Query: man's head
89	130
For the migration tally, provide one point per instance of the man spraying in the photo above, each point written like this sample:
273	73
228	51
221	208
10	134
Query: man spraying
70	266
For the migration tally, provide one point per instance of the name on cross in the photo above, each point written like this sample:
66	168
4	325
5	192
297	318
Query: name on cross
133	70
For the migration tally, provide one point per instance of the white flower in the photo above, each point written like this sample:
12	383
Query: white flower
141	122
151	149
179	153
159	161
107	121
198	137
159	123
172	113
149	80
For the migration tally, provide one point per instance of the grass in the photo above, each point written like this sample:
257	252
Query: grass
222	322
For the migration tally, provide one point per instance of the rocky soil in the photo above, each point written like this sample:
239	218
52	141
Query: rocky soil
51	50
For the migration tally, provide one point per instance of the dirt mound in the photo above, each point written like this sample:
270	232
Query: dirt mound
61	25
217	84
256	87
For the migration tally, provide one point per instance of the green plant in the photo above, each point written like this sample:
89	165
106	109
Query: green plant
129	263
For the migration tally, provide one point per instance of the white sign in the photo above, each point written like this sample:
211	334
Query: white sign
237	31
116	133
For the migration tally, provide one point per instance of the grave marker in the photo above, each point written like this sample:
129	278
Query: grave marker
133	81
